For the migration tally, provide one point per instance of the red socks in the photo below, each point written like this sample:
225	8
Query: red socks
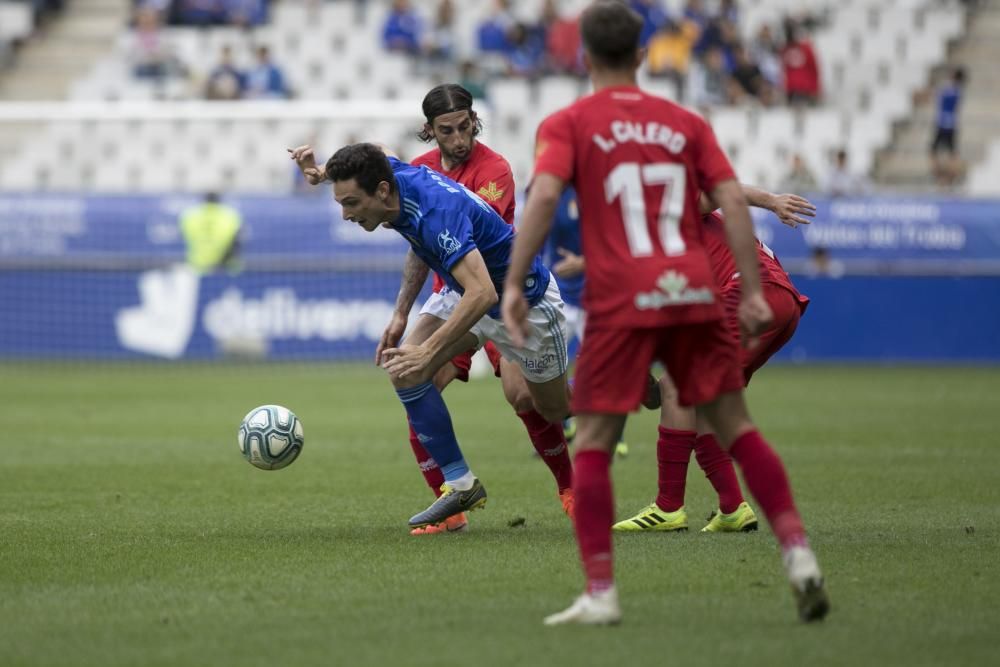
594	515
428	466
768	483
718	467
550	443
673	451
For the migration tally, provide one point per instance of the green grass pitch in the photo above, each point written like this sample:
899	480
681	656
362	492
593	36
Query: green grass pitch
133	533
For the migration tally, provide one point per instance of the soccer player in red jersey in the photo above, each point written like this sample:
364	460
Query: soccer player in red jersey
680	431
454	126
639	164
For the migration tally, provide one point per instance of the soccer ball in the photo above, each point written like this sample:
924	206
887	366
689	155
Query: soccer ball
270	437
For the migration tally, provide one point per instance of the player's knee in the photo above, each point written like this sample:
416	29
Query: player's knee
445	375
521	403
411	380
668	392
553	413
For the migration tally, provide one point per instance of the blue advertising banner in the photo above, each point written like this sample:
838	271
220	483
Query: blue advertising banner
102	277
870	235
172	313
910	236
72	227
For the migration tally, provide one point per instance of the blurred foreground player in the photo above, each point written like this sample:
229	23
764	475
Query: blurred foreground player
639	164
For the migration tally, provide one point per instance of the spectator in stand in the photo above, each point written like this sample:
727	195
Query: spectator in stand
729	12
708	82
562	41
764	51
746	73
492	33
802	85
653	18
947	167
799	177
694	11
842	181
669	54
225	81
822	265
149	52
470	78
527	54
244	13
199	12
403	28
265	80
439	45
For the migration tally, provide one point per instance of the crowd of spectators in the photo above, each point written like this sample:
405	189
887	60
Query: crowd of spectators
700	49
241	13
151	57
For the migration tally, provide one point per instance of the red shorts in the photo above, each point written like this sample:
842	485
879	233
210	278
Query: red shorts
787	308
703	360
463	362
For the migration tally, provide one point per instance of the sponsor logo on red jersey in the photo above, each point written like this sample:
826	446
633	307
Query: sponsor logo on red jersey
673	291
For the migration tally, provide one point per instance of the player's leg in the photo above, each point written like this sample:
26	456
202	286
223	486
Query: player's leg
428	467
610	383
734	514
673	452
768	483
546	436
429	417
704	361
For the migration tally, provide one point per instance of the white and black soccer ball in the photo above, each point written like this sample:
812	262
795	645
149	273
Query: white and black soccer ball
270	437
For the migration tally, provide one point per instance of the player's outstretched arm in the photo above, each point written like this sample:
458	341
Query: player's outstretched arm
543	198
791	210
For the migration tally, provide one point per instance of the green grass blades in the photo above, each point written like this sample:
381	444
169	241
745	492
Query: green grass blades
132	532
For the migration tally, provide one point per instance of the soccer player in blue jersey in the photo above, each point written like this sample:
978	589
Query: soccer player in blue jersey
468	244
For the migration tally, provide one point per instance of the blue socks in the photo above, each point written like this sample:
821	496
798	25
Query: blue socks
432	424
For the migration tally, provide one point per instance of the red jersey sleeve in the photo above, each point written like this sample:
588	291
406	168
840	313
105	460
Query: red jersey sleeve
710	162
554	148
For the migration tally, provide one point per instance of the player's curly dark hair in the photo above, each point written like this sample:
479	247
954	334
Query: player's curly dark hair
365	163
610	31
447	98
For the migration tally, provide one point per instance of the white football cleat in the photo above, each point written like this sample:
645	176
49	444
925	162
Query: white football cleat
807	583
590	609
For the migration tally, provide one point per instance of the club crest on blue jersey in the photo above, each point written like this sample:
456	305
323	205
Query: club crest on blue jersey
448	243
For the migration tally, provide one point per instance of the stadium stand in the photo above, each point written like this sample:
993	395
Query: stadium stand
873	55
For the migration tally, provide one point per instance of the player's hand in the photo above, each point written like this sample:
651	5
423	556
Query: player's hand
755	317
570	266
306	161
514	309
406	360
390	337
793	210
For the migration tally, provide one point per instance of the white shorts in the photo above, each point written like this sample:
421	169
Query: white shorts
543	356
575	319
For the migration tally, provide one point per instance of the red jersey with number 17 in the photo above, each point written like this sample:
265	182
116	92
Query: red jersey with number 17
638	163
486	172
